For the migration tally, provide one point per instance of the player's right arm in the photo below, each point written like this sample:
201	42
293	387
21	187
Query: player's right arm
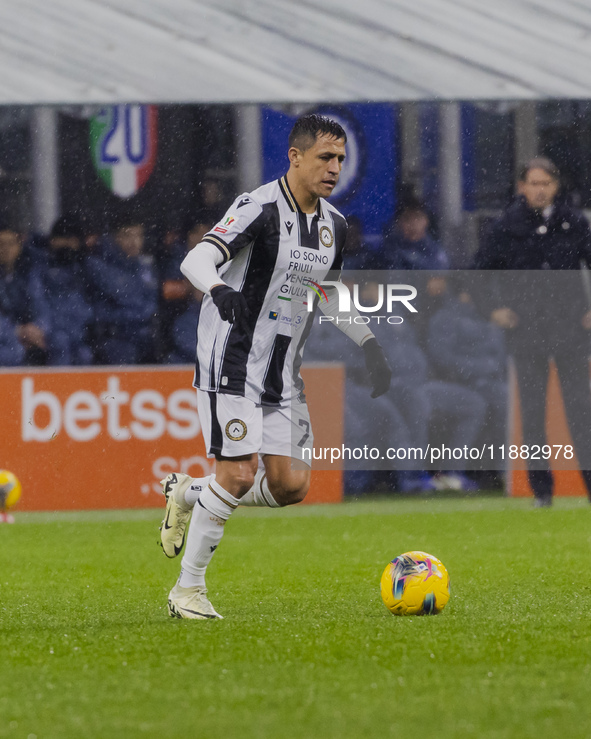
238	229
200	267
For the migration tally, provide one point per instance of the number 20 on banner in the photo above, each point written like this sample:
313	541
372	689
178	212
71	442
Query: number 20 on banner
123	143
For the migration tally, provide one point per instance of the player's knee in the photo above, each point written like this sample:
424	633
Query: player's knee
242	482
289	492
236	475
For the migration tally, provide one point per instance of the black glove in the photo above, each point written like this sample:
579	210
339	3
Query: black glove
231	304
377	365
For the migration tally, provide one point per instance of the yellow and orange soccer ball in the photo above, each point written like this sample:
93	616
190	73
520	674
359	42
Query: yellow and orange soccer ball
415	584
10	490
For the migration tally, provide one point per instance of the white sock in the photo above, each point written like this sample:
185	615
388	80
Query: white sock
214	507
195	489
259	494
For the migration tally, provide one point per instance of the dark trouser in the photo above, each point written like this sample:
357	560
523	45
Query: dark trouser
572	363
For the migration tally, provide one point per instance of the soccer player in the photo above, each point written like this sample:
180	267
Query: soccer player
254	268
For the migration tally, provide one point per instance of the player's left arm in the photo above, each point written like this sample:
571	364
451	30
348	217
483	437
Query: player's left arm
380	373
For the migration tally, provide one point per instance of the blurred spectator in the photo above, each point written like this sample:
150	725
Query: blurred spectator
176	293
91	232
213	198
63	282
183	333
12	351
358	254
124	292
174	286
408	414
432	293
438	411
377	423
408	244
22	295
465	348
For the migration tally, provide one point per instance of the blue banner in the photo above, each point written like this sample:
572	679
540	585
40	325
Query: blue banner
367	186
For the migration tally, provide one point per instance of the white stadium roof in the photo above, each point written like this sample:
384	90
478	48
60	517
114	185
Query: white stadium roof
219	51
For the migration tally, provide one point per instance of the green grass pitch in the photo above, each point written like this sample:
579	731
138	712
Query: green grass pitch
306	650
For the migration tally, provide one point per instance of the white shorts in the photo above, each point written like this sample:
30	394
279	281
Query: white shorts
233	426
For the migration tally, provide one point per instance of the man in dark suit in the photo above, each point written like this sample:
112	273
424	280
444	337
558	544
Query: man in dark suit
545	311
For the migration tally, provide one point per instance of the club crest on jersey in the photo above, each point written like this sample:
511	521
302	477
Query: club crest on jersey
326	236
236	429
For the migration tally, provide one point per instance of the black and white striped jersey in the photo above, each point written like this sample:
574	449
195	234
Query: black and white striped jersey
272	251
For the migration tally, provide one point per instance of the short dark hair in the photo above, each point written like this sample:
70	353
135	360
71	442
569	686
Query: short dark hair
67	225
411	206
6	224
125	220
539	163
306	130
203	217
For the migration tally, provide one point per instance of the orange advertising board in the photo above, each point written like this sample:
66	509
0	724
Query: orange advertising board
95	438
